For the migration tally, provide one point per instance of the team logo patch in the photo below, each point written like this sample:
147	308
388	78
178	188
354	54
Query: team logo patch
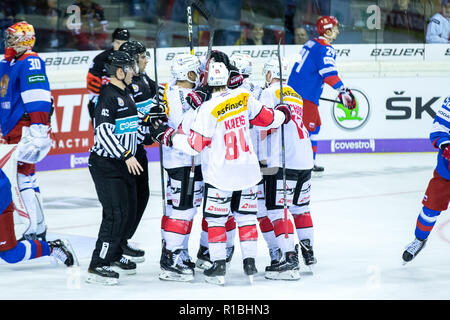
135	87
120	102
36	78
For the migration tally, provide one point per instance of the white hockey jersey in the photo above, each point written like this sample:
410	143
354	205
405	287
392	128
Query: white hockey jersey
181	116
438	29
221	133
298	150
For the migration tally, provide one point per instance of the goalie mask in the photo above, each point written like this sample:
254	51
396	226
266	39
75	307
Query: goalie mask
273	66
19	38
217	74
184	63
243	62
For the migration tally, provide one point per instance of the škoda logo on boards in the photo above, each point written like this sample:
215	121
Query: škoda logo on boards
352	119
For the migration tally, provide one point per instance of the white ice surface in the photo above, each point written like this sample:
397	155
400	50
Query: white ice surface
364	210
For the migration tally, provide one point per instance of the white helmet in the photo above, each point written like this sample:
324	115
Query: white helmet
243	62
273	66
217	74
182	64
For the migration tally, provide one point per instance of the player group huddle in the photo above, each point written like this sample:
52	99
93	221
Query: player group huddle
240	152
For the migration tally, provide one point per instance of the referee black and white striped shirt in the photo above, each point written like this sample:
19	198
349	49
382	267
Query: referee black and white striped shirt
117	130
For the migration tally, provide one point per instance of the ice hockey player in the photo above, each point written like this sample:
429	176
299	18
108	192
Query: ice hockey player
244	64
195	99
25	101
298	163
13	251
437	195
230	168
317	66
175	262
143	90
113	167
97	75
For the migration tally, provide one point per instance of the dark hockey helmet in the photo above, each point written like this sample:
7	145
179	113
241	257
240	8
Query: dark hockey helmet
121	34
119	59
133	48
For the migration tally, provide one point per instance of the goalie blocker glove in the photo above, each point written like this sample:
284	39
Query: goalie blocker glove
347	98
283	107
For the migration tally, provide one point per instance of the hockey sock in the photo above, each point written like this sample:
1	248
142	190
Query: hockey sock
187	236
217	238
425	222
267	231
163	224
248	234
204	234
175	231
26	250
313	137
230	228
304	227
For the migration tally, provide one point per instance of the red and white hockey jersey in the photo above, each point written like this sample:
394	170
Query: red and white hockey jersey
221	132
298	150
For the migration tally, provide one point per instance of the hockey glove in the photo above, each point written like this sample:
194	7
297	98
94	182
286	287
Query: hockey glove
283	107
235	79
347	98
445	147
155	113
34	144
195	98
162	134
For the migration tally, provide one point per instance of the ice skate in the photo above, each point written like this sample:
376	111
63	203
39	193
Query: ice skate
173	268
250	268
275	255
63	251
203	260
230	252
286	269
186	258
216	274
133	254
124	266
307	253
413	249
317	171
102	275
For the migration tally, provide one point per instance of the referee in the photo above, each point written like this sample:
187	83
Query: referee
113	168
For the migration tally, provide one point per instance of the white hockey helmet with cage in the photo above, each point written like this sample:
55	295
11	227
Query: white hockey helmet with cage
243	62
217	74
273	66
182	64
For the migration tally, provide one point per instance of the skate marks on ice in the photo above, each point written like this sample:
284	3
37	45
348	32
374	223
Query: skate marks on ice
70	203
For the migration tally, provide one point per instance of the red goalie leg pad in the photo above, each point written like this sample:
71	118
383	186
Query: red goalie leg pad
248	233
303	221
230	224
265	225
217	234
7	234
204	225
177	226
279	227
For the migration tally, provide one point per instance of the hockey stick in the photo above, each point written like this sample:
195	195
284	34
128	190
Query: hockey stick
283	151
211	22
163	189
329	100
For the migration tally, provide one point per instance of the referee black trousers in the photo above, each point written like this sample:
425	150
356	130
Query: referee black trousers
116	191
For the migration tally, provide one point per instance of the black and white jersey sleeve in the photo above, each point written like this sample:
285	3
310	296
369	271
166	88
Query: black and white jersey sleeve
116	124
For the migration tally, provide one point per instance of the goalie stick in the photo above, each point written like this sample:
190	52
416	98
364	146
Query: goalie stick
283	151
211	22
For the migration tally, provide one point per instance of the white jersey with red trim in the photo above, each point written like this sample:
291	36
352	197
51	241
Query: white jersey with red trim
298	150
180	116
222	130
